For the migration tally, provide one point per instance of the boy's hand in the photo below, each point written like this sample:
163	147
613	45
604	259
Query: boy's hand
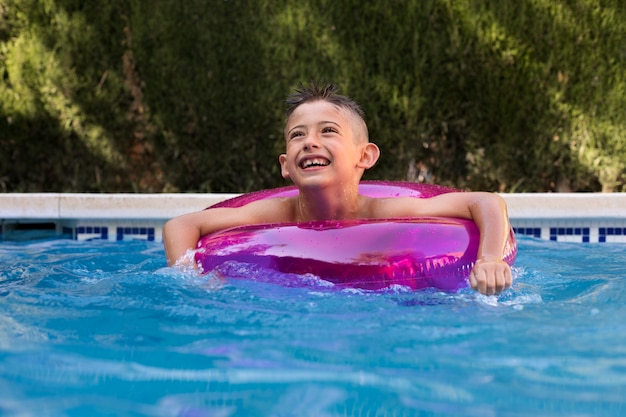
491	276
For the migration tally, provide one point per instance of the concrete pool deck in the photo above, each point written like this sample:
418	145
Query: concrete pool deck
572	217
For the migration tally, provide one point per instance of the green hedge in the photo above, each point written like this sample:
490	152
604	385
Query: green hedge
161	95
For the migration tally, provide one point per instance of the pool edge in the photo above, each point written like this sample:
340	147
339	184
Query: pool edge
576	217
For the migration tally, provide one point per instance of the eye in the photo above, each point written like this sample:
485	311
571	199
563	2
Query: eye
295	134
329	129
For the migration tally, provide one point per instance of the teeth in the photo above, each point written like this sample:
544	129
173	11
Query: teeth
314	162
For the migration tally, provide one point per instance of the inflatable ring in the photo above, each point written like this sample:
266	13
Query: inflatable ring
369	254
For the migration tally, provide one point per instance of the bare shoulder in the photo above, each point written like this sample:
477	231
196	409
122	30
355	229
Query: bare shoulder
274	210
389	207
270	210
454	204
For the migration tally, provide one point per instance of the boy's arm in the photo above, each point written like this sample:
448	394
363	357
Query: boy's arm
182	233
490	275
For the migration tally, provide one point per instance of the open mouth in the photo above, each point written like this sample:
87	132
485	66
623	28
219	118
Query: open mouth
314	162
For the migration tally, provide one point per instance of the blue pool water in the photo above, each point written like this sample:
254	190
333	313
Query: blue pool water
104	329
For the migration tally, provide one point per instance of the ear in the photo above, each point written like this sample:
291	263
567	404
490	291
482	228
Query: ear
369	155
282	158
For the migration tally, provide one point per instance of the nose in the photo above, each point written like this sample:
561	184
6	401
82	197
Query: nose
311	141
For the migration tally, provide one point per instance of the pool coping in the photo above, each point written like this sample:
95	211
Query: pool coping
166	206
538	214
103	206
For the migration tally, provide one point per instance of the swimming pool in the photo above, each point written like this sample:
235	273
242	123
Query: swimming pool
103	328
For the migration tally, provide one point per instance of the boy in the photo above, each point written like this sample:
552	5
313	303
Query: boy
327	152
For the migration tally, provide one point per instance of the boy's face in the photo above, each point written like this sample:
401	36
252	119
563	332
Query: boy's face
321	147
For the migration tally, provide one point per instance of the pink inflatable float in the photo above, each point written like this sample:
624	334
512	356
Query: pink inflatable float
369	254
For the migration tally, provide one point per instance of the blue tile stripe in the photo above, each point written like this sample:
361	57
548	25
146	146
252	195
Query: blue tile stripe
528	231
579	232
145	233
96	232
603	232
555	232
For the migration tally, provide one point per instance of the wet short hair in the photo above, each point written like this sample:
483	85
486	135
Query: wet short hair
314	91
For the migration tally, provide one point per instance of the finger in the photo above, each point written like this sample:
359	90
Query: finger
508	276
500	283
481	282
472	281
504	279
490	284
500	280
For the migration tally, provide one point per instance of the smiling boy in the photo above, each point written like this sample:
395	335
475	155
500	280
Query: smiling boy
327	152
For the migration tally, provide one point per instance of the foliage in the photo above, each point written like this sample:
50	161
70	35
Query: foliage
151	96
